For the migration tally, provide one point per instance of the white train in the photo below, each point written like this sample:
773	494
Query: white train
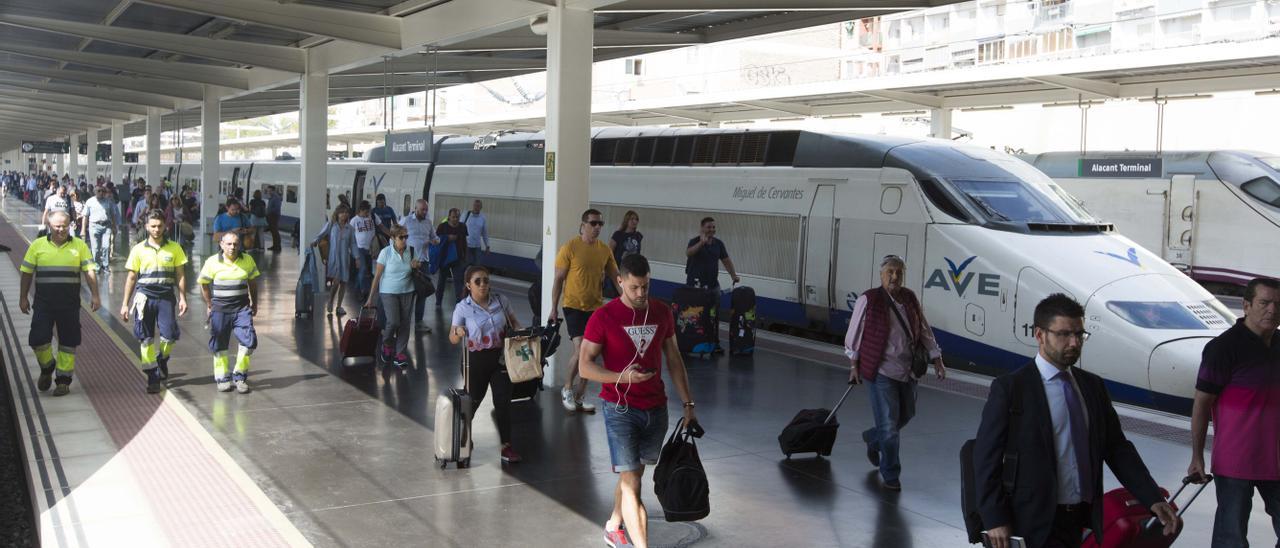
807	218
1213	214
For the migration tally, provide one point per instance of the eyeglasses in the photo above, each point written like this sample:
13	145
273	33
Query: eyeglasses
401	237
596	223
480	281
1082	335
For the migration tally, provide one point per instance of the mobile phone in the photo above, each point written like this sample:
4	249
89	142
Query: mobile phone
1014	541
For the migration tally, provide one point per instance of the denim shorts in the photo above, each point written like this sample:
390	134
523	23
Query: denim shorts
635	437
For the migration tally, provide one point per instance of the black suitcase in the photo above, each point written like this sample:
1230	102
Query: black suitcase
742	321
697	331
812	430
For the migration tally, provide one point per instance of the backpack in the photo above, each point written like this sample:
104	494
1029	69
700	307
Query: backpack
679	479
968	481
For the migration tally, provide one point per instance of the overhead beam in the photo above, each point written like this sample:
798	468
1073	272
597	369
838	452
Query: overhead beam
917	99
376	81
78	120
646	20
604	38
352	26
65	108
45	127
1091	87
655	6
682	114
243	53
127	97
443	62
776	106
208	74
615	120
171	88
64	99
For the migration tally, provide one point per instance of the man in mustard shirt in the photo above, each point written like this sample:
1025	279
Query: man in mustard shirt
580	264
156	267
229	285
55	263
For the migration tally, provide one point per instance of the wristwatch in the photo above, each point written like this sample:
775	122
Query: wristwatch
690	404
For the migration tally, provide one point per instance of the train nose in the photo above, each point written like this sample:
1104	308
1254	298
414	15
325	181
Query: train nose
1174	366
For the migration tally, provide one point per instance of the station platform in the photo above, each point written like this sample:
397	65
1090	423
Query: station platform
326	455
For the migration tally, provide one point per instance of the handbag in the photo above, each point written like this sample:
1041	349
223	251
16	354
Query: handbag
919	355
679	480
422	286
522	352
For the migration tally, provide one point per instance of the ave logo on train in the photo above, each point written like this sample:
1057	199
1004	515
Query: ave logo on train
960	279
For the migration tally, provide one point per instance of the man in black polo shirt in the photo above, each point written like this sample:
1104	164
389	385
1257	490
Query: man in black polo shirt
1239	387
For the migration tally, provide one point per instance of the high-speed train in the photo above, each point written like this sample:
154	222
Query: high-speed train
807	218
1213	214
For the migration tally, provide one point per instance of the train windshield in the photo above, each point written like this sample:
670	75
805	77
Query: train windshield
1257	176
1172	315
1021	202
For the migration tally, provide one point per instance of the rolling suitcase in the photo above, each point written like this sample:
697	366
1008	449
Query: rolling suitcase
305	293
453	423
697	331
812	430
1127	524
359	344
742	321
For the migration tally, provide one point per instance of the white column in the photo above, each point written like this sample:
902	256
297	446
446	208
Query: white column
73	157
91	156
59	165
568	141
210	124
940	123
117	153
313	121
153	174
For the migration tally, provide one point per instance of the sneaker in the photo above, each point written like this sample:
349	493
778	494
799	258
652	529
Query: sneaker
510	455
585	407
401	360
894	485
46	378
62	390
873	455
616	538
224	384
388	353
242	386
340	311
566	398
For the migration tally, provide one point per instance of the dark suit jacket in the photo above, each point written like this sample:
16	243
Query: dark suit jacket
1035	494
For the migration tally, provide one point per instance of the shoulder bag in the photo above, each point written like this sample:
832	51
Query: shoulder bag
522	351
919	355
422	286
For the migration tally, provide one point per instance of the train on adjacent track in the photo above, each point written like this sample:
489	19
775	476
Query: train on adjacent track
807	218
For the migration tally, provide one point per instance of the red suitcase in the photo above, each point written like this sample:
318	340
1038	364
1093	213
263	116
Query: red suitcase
359	342
1127	524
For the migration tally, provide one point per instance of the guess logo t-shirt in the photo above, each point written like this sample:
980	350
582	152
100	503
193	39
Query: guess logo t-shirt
632	336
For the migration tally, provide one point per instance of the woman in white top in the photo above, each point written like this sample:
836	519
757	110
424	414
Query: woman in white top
482	319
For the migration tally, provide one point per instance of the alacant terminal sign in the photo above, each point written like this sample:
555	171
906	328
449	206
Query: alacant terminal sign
1111	168
410	147
46	147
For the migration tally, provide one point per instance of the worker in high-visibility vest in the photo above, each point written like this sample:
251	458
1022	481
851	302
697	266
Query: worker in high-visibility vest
55	263
228	282
156	266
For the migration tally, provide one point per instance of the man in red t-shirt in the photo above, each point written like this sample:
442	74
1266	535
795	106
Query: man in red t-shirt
632	332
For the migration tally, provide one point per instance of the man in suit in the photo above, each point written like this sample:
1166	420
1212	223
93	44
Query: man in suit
1065	430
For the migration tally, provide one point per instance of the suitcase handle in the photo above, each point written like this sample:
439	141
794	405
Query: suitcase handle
838	404
1153	522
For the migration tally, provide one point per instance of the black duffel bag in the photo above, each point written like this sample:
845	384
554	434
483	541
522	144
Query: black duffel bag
679	479
422	286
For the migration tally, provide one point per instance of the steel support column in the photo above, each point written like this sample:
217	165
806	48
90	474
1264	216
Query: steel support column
568	144
210	120
91	155
153	148
940	123
117	155
73	157
313	121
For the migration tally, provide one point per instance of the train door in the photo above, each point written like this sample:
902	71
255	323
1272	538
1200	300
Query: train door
357	188
819	249
1180	212
408	183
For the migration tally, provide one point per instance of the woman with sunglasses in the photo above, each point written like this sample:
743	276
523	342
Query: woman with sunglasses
483	319
393	284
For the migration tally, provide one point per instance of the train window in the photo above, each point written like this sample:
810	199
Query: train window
644	151
1156	315
704	149
729	149
663	151
753	148
1012	201
1265	189
602	151
890	200
782	148
291	194
408	202
942	200
684	151
625	153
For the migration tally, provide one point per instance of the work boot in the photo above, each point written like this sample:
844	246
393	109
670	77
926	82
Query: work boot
64	386
224	384
241	381
153	380
163	363
46	377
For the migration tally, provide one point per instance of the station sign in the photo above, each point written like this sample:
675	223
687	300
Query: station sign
103	150
1121	168
410	147
46	147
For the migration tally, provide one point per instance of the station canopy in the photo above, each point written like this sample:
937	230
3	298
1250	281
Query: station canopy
70	65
